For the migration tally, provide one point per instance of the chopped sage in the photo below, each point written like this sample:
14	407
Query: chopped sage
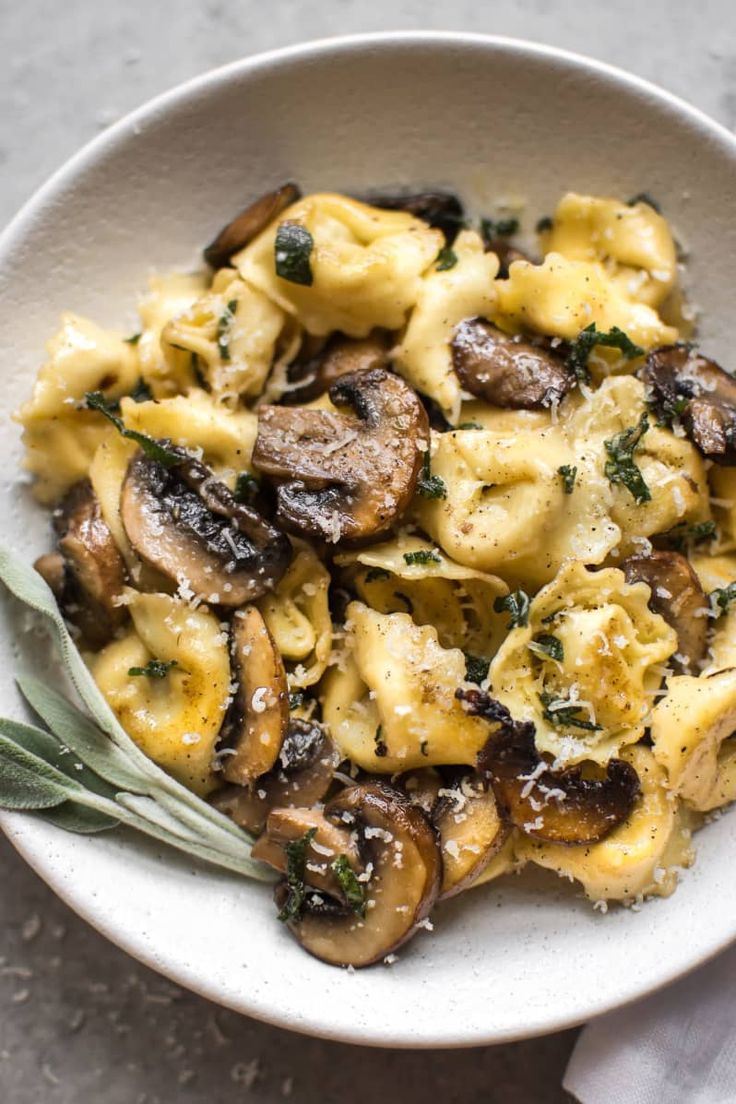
446	258
545	645
517	605
351	887
476	668
155	668
586	341
620	466
292	253
224	325
422	556
568	473
428	485
95	400
564	713
296	865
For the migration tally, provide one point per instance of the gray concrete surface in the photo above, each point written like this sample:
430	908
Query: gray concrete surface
80	1022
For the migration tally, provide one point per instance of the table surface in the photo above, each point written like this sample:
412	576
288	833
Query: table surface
80	1022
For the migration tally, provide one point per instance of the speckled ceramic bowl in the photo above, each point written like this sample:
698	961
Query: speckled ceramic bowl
489	118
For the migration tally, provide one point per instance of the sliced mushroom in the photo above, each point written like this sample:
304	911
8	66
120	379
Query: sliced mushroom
558	806
471	832
302	775
87	573
258	717
697	390
400	853
248	224
443	210
679	598
329	842
339	357
345	476
191	528
505	371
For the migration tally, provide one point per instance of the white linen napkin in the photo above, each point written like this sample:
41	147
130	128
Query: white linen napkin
675	1047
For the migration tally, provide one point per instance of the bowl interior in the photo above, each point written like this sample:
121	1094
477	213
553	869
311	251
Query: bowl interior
492	120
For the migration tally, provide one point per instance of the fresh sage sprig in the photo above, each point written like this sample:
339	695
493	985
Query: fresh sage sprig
86	774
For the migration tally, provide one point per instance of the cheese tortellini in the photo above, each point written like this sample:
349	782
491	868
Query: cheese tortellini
390	701
177	719
380	504
586	665
366	263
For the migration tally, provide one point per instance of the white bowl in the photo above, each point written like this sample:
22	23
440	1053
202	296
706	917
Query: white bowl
488	118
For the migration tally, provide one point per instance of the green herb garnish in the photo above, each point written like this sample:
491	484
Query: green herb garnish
296	699
428	485
292	252
545	645
95	400
644	197
155	668
517	605
446	258
476	668
490	229
381	749
133	339
684	535
721	598
422	556
620	466
296	865
469	425
586	341
224	323
568	473
85	774
351	887
544	224
559	711
245	486
376	573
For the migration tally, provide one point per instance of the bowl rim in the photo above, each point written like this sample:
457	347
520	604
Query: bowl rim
12	235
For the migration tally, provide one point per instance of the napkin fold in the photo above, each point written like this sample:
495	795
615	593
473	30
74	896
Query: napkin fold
675	1047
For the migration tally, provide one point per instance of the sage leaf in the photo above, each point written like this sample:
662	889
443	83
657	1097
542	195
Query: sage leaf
28	782
73	817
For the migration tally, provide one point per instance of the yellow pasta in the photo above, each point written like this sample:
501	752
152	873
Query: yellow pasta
367	265
177	719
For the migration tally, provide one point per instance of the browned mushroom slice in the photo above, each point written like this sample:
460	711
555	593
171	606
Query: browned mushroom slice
257	721
575	806
506	253
325	845
301	776
697	390
189	526
87	573
400	854
345	476
471	832
679	598
248	224
443	210
505	371
339	357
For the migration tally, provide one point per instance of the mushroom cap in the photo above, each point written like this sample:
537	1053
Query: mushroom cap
185	523
88	573
301	776
678	597
505	371
248	223
340	356
697	389
399	847
258	718
345	476
559	806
